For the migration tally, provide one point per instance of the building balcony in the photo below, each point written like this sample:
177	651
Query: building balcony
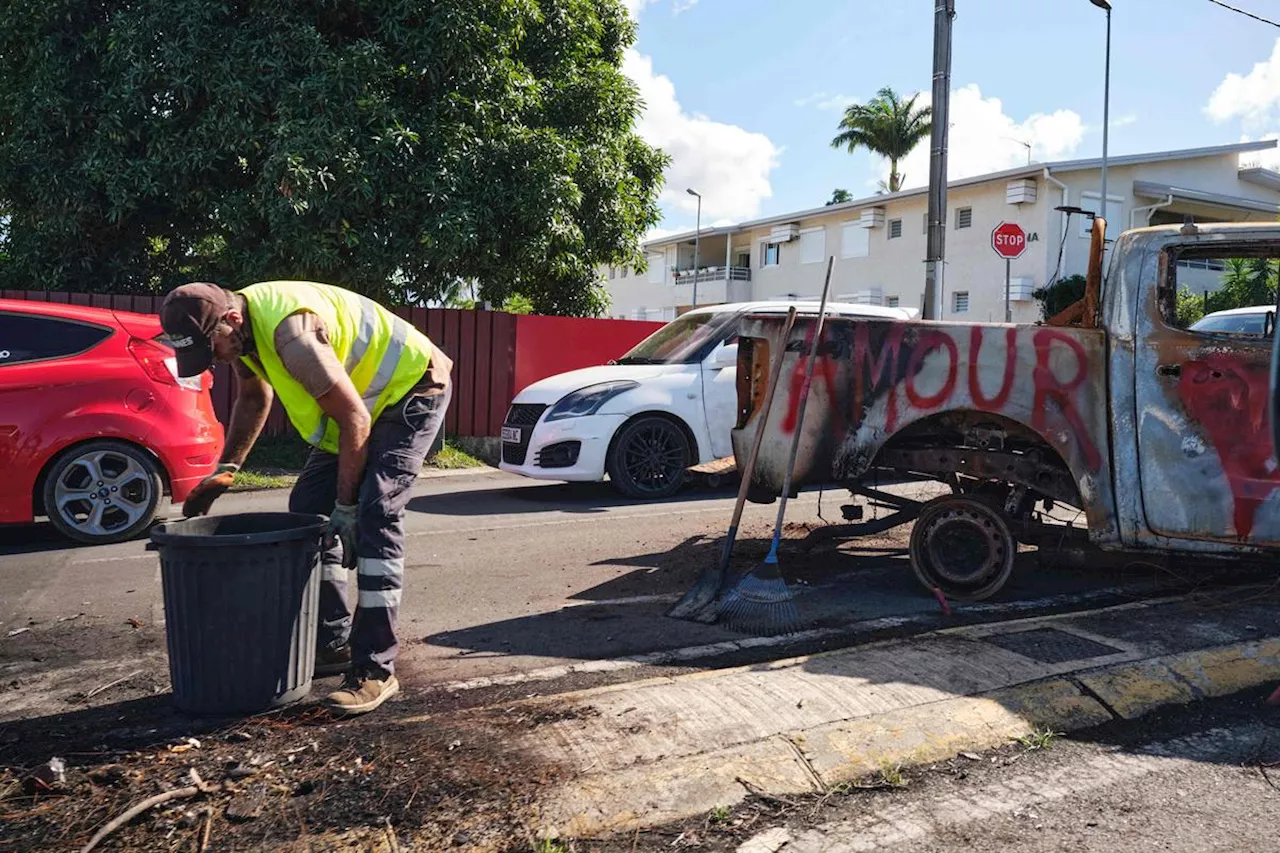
689	276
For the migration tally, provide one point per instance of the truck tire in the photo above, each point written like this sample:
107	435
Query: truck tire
962	546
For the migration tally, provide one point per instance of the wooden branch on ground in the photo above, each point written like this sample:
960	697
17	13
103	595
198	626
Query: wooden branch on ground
198	786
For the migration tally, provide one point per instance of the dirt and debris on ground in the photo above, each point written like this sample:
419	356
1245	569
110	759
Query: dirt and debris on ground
290	780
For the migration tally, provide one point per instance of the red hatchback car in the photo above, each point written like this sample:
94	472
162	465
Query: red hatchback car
95	425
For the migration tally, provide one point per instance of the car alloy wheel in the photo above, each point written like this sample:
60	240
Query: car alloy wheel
102	491
649	458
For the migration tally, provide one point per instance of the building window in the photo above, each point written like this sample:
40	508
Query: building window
960	302
813	246
770	254
891	302
964	218
895	229
657	268
1115	210
613	273
1214	264
855	241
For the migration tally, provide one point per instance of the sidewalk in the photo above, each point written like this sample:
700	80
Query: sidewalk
644	754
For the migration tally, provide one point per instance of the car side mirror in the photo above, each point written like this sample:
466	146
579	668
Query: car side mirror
725	356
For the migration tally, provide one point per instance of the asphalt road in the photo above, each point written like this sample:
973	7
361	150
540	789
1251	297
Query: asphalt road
508	578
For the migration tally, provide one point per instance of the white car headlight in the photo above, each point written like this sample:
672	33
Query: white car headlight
587	401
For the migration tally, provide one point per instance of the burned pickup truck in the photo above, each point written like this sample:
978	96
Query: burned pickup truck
1158	435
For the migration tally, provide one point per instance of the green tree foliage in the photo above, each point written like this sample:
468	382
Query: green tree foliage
391	146
887	125
1246	282
1060	295
840	197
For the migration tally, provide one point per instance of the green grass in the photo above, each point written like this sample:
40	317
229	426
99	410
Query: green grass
1038	739
275	461
252	481
720	814
451	458
551	845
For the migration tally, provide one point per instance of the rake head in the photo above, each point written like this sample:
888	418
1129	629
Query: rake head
761	604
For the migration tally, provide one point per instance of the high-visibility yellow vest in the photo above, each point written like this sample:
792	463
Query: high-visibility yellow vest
383	354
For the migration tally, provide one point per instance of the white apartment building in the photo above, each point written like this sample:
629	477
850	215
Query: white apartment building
879	242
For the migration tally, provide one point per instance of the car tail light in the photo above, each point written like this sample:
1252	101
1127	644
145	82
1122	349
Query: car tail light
158	362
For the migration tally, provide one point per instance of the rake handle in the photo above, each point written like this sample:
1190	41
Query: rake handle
804	401
775	372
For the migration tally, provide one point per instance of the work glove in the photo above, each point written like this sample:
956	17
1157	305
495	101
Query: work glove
209	490
344	528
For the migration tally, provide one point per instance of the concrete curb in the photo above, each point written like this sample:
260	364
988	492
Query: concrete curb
812	761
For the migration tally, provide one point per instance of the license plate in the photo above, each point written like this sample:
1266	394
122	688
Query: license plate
511	435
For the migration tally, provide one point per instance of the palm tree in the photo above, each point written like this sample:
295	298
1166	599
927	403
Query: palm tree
888	126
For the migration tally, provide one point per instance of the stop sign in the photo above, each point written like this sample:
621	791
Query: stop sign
1009	240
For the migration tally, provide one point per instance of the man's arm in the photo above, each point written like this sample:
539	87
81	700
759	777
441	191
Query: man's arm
343	404
249	414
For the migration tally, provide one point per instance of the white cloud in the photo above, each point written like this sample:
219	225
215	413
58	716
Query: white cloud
826	102
1254	98
1124	121
984	139
660	233
1269	159
677	6
729	165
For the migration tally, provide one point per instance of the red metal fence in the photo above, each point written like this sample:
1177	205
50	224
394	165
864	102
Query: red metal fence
494	354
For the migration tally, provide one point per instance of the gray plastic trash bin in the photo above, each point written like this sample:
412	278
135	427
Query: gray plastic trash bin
241	594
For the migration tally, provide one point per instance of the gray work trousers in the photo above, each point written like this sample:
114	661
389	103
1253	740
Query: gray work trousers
398	445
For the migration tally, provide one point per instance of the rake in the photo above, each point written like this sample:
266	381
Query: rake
694	603
761	602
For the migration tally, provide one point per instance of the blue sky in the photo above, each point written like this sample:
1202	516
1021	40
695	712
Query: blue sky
746	94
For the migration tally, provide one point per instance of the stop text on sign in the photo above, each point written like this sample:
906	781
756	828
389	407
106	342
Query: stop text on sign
1008	240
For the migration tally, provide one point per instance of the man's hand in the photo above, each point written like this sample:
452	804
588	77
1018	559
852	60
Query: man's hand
209	490
344	527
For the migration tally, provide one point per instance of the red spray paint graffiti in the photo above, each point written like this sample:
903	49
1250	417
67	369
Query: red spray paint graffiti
878	368
1050	390
1229	399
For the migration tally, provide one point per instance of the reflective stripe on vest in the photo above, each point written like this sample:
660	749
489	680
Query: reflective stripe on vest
382	354
386	367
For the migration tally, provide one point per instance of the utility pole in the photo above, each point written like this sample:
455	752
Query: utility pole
697	245
943	13
1106	106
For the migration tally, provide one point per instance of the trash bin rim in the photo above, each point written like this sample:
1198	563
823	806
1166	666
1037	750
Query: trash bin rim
309	528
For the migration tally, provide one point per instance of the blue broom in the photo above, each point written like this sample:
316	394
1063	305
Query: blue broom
761	603
696	603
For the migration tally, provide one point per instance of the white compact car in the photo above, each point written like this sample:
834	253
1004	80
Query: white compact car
668	404
1255	320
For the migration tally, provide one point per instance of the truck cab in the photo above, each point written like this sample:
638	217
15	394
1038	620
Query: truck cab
1157	432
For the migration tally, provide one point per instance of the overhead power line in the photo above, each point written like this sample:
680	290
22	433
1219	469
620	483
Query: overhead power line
1243	12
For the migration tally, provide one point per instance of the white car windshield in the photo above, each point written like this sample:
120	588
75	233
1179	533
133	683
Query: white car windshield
1241	324
683	341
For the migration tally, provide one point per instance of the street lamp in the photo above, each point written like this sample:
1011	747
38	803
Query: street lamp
1106	106
697	238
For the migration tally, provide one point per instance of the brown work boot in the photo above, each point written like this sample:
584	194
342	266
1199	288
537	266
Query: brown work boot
332	661
361	693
